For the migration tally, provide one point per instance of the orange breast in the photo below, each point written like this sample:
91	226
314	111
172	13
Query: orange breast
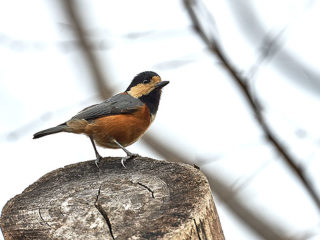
125	128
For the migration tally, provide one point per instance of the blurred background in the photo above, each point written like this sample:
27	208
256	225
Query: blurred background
242	102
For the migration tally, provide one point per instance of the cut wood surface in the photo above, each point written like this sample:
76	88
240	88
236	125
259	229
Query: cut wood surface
149	199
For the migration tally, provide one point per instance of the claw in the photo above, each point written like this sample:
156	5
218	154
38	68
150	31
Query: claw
98	157
123	160
97	161
129	156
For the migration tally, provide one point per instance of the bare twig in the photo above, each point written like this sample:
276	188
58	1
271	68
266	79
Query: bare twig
241	82
269	47
266	230
249	22
92	61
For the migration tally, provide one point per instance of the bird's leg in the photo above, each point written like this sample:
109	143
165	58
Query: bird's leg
129	154
98	157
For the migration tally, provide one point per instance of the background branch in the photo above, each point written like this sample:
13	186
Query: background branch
90	58
241	82
293	67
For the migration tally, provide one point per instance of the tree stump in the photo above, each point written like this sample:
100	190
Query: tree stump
149	199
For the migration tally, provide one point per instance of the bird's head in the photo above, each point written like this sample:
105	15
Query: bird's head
146	83
147	86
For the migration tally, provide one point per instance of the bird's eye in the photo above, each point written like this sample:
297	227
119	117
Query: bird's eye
145	81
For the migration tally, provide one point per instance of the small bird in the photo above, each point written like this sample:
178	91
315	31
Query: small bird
120	120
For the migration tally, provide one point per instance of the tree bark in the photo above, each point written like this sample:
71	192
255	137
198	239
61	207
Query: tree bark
148	199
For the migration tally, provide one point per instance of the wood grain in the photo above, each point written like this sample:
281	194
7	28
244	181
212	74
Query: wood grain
149	199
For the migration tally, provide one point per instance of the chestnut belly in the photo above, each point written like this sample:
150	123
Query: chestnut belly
124	128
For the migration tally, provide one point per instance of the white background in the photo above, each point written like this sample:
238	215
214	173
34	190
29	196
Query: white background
44	82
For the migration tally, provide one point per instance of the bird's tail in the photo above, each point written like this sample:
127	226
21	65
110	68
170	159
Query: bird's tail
57	129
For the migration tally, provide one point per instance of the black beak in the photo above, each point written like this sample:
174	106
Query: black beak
161	84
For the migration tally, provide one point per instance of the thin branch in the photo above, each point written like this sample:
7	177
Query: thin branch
92	61
269	47
249	22
240	183
241	82
169	153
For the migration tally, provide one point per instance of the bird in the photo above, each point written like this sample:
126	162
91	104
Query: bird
120	120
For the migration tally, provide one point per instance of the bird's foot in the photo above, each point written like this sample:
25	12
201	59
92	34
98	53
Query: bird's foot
129	156
97	161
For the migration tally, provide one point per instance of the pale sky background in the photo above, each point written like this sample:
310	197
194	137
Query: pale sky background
44	82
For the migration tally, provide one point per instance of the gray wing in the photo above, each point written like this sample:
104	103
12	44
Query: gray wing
118	104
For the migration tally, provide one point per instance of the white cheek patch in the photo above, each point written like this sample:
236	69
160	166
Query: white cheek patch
140	90
144	89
